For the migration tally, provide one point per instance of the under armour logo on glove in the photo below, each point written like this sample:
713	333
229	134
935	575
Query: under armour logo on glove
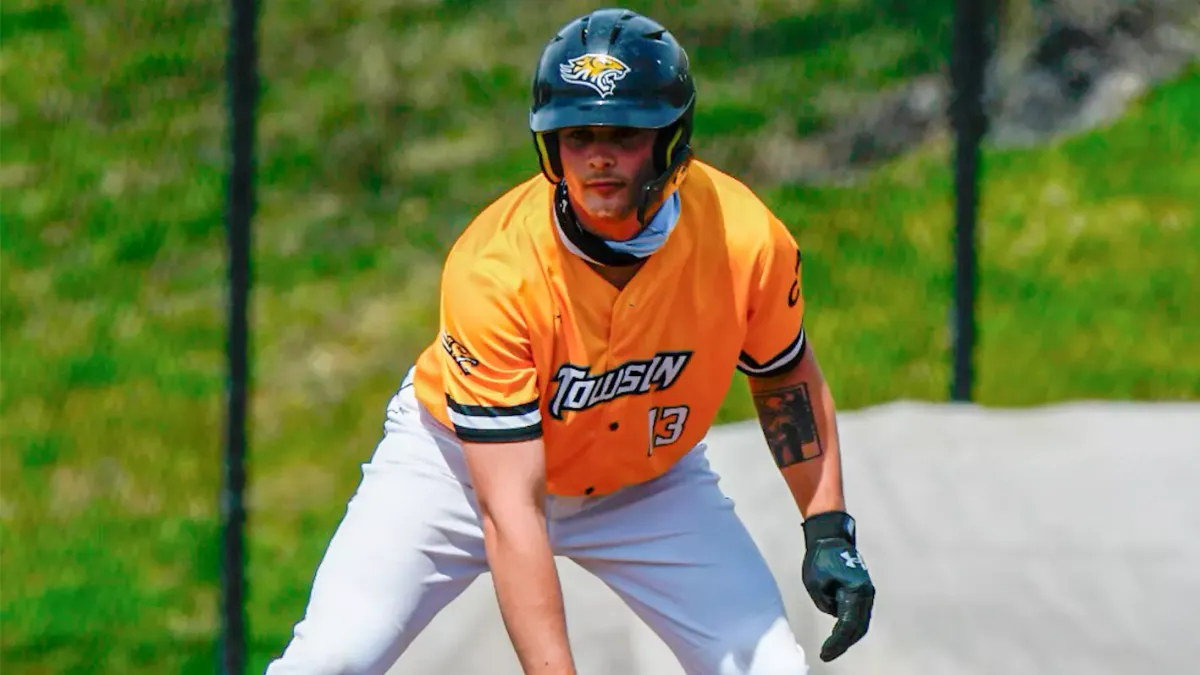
853	561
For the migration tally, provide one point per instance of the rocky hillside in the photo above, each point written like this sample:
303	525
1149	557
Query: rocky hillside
1056	67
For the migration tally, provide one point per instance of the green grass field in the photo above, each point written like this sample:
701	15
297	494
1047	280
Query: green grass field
384	126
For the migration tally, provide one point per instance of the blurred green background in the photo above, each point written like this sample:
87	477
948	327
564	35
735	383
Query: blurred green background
384	126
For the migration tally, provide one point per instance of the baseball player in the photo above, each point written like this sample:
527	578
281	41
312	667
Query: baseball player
591	321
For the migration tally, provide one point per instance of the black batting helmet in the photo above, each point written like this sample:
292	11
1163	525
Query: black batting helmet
615	67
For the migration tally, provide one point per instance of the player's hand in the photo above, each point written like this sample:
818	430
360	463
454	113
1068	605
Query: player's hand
837	580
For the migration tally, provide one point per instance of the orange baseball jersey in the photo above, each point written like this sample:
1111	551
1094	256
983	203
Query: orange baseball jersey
619	384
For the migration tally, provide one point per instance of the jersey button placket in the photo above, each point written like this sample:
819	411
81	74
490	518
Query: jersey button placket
613	355
617	337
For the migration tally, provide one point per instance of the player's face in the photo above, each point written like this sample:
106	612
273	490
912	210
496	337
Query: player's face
605	168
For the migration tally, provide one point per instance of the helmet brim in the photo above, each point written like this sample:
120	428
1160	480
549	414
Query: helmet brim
641	114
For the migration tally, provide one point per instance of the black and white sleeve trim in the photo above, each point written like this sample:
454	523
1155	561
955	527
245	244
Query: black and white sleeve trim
783	362
484	424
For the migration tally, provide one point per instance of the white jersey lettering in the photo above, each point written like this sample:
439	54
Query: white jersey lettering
579	390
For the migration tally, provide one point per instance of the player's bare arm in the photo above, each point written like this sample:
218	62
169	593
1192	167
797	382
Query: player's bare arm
510	486
798	418
796	411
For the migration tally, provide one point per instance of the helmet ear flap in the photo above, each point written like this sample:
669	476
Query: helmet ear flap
546	144
672	141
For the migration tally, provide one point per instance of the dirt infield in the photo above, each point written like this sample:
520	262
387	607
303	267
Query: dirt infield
1048	541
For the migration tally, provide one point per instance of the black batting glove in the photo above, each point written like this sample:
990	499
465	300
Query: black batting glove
837	580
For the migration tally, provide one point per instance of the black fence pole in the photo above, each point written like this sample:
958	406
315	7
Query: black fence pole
242	98
968	65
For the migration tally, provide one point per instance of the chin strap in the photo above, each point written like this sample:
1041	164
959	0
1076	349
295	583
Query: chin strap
668	183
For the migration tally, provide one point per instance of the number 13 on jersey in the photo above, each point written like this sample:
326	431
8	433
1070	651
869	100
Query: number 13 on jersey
672	420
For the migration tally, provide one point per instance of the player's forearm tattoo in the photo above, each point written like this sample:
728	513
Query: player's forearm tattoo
786	416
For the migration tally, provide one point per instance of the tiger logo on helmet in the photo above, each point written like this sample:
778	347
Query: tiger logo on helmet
601	72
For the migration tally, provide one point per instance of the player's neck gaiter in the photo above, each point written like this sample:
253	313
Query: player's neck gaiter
655	234
600	251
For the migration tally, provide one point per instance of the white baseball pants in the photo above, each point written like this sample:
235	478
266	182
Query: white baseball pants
411	541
